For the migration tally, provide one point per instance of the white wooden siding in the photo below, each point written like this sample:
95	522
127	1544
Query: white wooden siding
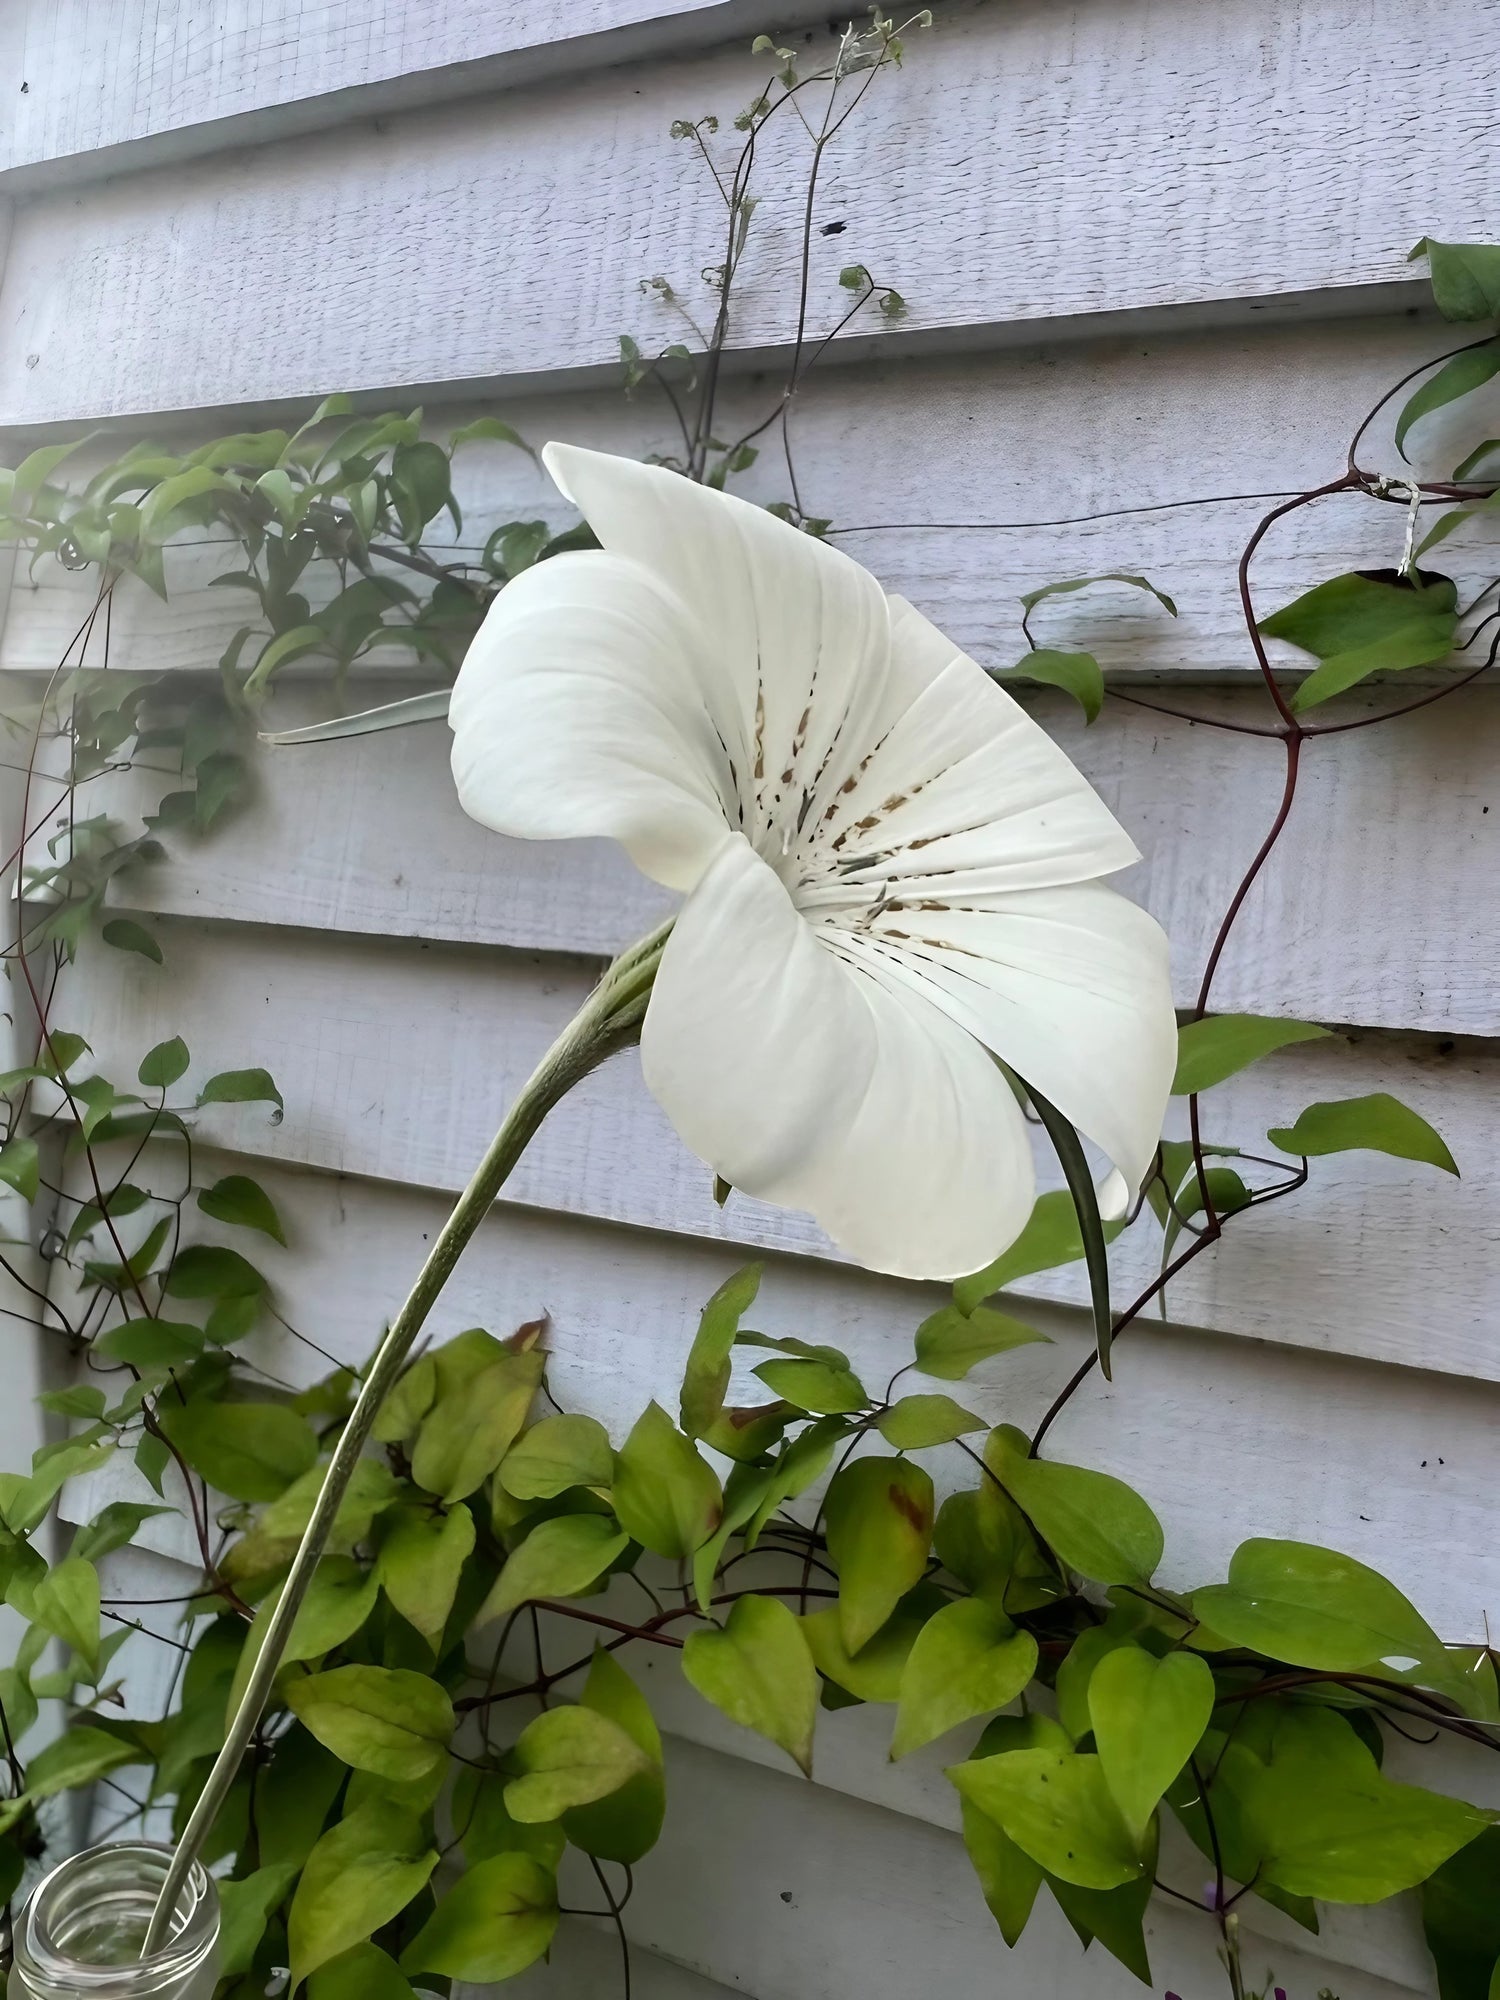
1133	423
1170	240
116	83
347	837
1035	163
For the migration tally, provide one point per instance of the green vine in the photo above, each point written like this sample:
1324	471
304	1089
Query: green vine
1107	1737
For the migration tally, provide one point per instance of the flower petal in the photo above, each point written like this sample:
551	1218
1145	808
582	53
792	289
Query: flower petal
579	710
1068	986
795	634
963	793
807	1082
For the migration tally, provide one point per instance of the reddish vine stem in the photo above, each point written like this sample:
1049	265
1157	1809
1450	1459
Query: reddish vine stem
1292	732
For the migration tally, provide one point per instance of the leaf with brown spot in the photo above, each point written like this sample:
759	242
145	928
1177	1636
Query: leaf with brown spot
878	1514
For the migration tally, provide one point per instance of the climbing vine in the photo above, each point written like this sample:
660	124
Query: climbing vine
437	1742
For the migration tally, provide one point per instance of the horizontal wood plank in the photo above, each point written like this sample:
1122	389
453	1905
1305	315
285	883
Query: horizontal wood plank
507	240
398	1061
1373	912
1081	457
142	82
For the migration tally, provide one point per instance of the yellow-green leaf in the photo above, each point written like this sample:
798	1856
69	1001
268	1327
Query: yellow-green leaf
1315	1608
561	1557
365	1973
759	1672
497	1919
666	1496
555	1454
382	1719
1097	1524
339	1599
878	1516
420	1563
916	1423
815	1386
1378	1123
1077	674
627	1823
1209	1051
950	1343
706	1376
569	1757
1056	1806
361	1874
20	1166
1147	1715
251	1451
66	1603
471	1428
968	1659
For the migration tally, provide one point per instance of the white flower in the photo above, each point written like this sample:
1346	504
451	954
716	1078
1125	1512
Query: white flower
889	870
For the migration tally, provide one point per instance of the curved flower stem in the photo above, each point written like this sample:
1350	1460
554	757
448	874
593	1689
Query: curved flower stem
609	1020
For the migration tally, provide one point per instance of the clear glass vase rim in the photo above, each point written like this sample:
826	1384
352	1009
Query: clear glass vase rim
43	1959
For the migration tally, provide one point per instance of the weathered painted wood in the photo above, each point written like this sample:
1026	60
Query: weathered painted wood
1081	431
584	1964
106	89
508	240
1375	910
397	1063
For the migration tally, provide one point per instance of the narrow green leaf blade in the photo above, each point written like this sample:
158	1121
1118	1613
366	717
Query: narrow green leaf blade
1051	1237
705	1379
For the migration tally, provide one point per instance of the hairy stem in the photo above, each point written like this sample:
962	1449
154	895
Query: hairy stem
609	1020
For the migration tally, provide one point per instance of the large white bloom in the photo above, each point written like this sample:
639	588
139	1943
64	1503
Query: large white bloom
889	870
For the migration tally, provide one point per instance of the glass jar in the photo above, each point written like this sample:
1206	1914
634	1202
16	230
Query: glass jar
80	1935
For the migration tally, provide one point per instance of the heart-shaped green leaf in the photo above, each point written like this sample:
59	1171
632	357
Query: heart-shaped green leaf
759	1672
1147	1716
